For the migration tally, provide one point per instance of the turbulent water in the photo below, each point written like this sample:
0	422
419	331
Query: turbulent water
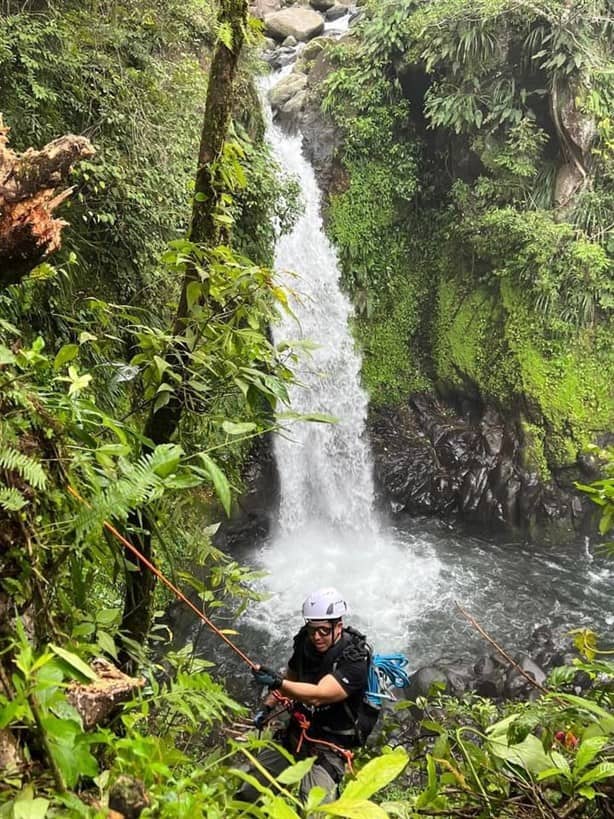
401	581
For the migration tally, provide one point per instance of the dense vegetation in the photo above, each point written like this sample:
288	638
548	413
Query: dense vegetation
475	230
85	364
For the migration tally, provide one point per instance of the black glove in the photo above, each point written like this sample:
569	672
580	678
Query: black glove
262	717
267	676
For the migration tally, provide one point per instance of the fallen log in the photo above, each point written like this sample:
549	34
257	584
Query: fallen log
32	186
95	701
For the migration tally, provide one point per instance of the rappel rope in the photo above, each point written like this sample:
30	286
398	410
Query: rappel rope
162	577
386	671
384	667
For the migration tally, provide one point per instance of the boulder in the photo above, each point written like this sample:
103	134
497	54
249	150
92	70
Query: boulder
335	12
303	24
312	49
260	8
286	89
322	5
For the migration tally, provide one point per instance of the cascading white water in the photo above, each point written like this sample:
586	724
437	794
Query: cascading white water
325	469
328	533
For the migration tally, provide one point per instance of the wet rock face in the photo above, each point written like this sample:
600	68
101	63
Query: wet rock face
429	460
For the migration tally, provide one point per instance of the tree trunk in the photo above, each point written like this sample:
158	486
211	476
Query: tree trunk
29	194
161	425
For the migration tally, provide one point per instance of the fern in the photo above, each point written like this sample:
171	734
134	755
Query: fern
27	468
139	486
11	500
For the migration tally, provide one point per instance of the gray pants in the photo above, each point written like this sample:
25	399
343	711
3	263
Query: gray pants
326	772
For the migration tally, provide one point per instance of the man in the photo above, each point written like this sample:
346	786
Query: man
327	680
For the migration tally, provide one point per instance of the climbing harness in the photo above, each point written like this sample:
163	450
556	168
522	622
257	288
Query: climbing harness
304	724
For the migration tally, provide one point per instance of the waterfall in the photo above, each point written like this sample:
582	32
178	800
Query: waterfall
325	469
327	531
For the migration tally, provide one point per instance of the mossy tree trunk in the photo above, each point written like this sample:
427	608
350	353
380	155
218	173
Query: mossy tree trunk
162	424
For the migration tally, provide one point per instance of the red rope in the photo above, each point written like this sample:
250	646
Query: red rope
304	724
177	592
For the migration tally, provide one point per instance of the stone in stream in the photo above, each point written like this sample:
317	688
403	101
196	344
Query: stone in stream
336	12
322	5
303	24
286	89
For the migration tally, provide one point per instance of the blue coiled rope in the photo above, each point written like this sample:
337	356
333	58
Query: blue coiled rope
386	671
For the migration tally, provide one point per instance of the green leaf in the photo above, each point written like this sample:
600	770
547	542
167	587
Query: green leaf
587	751
295	773
604	770
220	483
354	809
315	417
81	669
376	775
238	429
279	809
193	292
30	808
65	354
106	643
166	459
606	719
6	356
529	754
85	336
314	798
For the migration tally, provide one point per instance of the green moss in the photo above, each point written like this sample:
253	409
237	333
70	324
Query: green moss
470	350
566	382
533	450
391	367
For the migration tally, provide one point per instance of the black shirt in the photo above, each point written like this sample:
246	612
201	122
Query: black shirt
347	661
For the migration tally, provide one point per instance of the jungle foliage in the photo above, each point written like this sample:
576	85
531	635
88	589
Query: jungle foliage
473	268
84	344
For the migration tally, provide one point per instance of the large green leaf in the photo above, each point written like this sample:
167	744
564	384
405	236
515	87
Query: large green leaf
354	809
587	751
529	754
296	772
278	809
376	775
605	770
65	354
606	719
81	669
220	483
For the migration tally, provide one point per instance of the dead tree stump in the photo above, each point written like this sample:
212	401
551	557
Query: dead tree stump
32	185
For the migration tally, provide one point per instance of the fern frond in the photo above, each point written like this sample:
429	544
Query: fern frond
27	468
136	488
11	500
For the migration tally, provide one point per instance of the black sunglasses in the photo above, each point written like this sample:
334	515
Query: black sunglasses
321	631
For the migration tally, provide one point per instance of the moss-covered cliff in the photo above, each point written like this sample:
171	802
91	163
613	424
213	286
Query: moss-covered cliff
473	226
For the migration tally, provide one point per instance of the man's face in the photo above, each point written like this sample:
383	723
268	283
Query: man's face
323	633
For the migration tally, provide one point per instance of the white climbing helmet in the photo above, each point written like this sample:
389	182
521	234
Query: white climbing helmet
325	604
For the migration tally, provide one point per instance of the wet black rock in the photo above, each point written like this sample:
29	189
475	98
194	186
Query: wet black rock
493	677
432	460
257	505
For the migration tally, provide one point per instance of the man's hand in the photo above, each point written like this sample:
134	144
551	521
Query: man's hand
267	676
262	717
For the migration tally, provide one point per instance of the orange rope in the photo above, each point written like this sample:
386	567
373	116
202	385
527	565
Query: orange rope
304	725
176	591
